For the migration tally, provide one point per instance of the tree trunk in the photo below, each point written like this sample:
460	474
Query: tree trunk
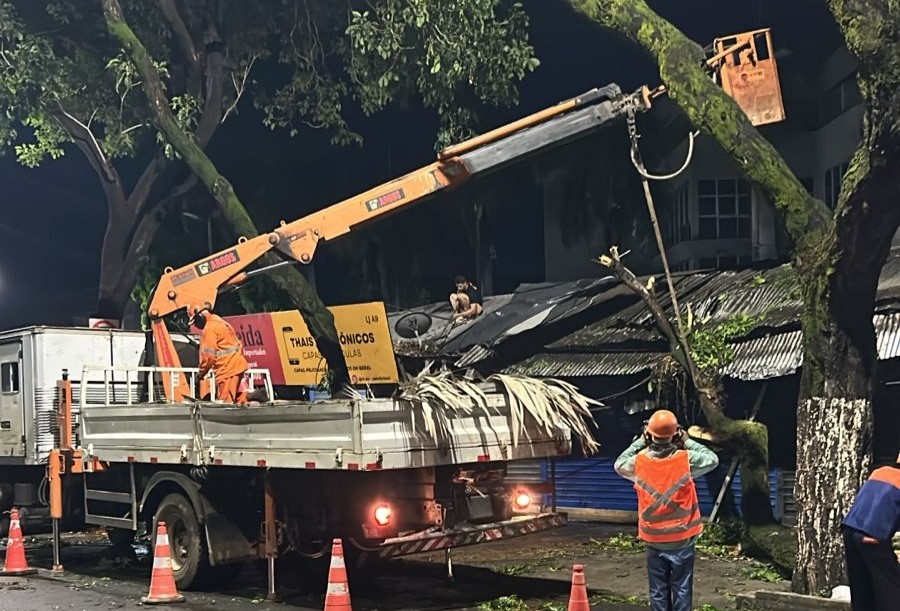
318	319
837	261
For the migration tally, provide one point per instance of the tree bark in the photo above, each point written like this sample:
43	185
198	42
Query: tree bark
318	318
838	261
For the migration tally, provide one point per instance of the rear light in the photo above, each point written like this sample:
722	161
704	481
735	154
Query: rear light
383	515
522	500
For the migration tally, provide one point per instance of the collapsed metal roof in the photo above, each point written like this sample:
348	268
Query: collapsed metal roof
625	341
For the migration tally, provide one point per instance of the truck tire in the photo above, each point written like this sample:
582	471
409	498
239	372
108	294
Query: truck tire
187	545
188	548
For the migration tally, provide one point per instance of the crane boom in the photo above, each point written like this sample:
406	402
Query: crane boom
199	282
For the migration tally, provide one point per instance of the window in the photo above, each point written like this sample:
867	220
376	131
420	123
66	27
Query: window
724	261
833	179
9	372
724	209
679	227
839	99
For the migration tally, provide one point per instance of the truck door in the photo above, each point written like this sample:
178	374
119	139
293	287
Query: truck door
12	424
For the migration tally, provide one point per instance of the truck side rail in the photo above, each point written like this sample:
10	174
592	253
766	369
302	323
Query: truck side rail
136	378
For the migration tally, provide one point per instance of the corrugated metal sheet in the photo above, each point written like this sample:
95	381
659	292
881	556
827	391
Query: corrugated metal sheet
473	355
887	330
788	515
592	483
761	358
766	357
581	365
526	470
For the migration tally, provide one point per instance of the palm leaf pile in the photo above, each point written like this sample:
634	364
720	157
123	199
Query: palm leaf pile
551	403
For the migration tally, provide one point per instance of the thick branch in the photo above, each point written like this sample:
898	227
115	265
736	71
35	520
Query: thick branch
709	108
87	142
319	320
186	42
678	344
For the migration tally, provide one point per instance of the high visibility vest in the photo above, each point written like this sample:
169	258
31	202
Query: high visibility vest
668	508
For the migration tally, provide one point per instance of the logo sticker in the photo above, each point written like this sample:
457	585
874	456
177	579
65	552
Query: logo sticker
182	277
387	199
217	263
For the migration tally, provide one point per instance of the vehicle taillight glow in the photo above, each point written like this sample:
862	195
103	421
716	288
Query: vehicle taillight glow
383	514
522	500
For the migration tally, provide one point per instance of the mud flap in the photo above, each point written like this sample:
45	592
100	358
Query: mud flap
225	541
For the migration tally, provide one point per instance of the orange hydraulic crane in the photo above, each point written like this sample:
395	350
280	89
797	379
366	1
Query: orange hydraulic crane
200	282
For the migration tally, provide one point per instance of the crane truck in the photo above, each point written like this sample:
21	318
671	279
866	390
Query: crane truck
91	434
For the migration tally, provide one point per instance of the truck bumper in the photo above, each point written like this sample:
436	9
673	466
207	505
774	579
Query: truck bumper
461	536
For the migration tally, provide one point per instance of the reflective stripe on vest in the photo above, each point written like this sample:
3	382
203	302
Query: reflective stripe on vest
221	353
672	514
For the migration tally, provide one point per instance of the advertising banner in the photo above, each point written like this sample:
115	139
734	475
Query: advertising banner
281	343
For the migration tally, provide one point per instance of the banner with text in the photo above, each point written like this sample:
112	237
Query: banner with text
281	343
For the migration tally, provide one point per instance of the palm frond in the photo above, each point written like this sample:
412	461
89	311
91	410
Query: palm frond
550	405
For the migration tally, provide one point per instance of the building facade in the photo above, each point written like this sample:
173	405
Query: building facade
713	218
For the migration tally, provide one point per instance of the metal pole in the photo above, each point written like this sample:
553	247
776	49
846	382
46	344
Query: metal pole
553	484
271	539
448	558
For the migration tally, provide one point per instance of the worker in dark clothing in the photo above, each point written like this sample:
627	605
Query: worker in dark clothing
663	463
466	302
869	528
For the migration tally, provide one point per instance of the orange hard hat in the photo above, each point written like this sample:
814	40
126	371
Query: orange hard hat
663	423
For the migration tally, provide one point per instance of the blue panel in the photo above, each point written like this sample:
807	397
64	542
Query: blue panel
592	483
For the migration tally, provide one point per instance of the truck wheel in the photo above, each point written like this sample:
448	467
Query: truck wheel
187	545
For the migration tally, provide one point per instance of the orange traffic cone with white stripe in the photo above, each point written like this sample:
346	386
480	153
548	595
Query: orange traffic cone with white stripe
578	599
337	597
15	549
162	579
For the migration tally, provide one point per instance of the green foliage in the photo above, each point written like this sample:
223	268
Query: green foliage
710	345
620	542
762	572
453	54
504	603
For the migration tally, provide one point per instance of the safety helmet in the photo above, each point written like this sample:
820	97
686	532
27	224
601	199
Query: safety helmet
663	423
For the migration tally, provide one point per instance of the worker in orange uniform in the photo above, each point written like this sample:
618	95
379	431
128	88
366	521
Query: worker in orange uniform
220	352
869	527
663	463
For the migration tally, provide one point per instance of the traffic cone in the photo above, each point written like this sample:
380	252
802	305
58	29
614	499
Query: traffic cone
162	579
15	549
578	599
337	597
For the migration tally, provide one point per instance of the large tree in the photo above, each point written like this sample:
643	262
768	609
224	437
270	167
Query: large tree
302	63
837	256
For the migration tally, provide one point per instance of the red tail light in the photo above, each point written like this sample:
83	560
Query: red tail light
383	514
522	500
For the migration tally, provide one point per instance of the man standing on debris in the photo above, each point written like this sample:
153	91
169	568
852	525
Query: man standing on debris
869	528
220	352
663	463
466	302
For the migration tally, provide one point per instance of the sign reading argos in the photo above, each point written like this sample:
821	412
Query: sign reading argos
281	343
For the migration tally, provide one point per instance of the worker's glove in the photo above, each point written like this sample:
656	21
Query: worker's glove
681	438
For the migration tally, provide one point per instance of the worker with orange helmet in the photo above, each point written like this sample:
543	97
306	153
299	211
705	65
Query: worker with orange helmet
663	463
220	352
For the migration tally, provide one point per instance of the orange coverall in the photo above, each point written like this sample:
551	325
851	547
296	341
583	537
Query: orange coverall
222	352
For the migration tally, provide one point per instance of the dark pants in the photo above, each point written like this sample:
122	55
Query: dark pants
671	576
873	572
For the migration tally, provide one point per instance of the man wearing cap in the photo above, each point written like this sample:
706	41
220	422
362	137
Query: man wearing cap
869	527
663	463
220	352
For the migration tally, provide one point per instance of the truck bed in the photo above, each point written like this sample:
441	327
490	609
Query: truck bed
366	434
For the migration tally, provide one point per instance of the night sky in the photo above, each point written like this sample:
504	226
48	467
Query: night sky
54	216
